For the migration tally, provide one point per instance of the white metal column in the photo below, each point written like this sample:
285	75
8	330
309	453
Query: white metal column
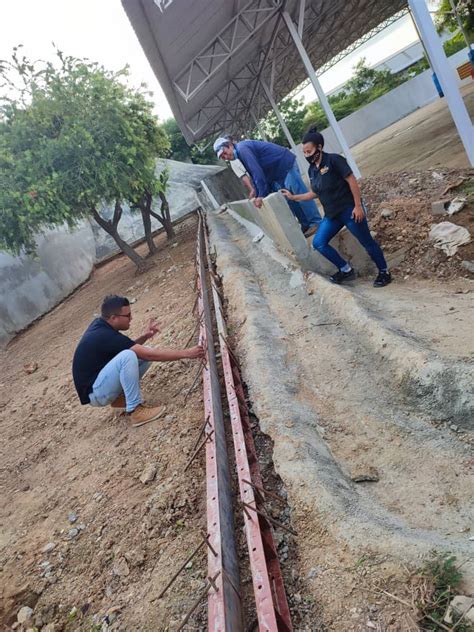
320	93
445	75
258	126
299	156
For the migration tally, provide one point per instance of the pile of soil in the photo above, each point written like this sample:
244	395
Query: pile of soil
400	214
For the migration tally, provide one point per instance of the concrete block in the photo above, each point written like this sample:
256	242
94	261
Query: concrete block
277	221
439	207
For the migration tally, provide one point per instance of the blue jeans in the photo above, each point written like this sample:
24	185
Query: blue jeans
122	374
305	212
331	226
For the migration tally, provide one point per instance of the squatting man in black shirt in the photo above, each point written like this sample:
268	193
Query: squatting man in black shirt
107	366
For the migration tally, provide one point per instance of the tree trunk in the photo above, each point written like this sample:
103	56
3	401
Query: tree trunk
166	217
146	217
111	229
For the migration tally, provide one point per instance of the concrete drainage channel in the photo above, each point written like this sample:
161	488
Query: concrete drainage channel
314	444
222	587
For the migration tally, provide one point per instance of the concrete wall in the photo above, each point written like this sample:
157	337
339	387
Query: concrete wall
224	186
390	107
277	222
29	287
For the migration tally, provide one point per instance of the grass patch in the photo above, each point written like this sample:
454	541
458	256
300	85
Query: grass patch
466	189
439	584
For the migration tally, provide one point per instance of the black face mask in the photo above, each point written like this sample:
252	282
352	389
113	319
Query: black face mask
314	157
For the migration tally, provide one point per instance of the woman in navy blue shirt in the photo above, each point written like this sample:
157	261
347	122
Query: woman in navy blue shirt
333	182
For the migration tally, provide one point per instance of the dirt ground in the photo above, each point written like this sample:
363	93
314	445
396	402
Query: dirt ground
400	213
104	567
58	457
425	139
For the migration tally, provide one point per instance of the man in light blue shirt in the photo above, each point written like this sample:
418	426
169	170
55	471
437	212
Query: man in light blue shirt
271	168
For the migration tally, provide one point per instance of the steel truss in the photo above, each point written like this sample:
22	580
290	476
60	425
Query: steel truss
229	109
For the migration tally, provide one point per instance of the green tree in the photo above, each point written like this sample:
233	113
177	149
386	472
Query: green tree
73	139
293	112
204	154
445	18
179	149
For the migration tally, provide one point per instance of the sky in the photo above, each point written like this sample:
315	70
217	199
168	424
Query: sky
100	31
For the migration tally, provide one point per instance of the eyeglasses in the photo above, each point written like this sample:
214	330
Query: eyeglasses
124	315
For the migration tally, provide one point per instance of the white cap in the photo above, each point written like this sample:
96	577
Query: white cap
219	145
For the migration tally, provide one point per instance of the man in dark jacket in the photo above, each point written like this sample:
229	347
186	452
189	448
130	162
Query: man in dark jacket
107	366
271	168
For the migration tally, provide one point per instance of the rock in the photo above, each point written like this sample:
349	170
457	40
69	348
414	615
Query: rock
468	265
72	533
361	474
438	207
454	428
148	473
386	213
460	606
47	548
437	176
189	566
24	615
120	567
72	517
31	367
48	628
371	625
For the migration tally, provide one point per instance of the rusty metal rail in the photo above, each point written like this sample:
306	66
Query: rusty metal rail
223	587
271	604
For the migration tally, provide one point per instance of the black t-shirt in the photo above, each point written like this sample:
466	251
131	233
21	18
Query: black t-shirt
98	345
328	182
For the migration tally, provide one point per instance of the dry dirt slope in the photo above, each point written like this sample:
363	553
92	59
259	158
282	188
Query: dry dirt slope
58	457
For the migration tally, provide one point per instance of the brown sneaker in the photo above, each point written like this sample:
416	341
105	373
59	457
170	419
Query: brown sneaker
143	415
309	232
119	402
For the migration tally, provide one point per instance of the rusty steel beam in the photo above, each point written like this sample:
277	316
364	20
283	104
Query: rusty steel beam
224	603
271	604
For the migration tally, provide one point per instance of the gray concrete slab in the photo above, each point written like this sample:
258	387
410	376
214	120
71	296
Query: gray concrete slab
424	139
277	222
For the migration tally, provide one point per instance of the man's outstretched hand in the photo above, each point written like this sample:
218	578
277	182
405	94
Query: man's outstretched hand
194	353
152	329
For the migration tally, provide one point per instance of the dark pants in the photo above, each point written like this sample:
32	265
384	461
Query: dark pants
329	227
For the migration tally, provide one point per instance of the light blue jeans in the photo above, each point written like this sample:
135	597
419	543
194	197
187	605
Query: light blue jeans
121	375
306	212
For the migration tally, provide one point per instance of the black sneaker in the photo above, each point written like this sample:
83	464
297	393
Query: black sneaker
341	276
383	279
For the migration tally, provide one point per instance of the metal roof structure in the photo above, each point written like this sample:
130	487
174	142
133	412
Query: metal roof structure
216	60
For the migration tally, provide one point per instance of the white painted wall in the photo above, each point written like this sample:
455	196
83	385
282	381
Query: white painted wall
391	107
